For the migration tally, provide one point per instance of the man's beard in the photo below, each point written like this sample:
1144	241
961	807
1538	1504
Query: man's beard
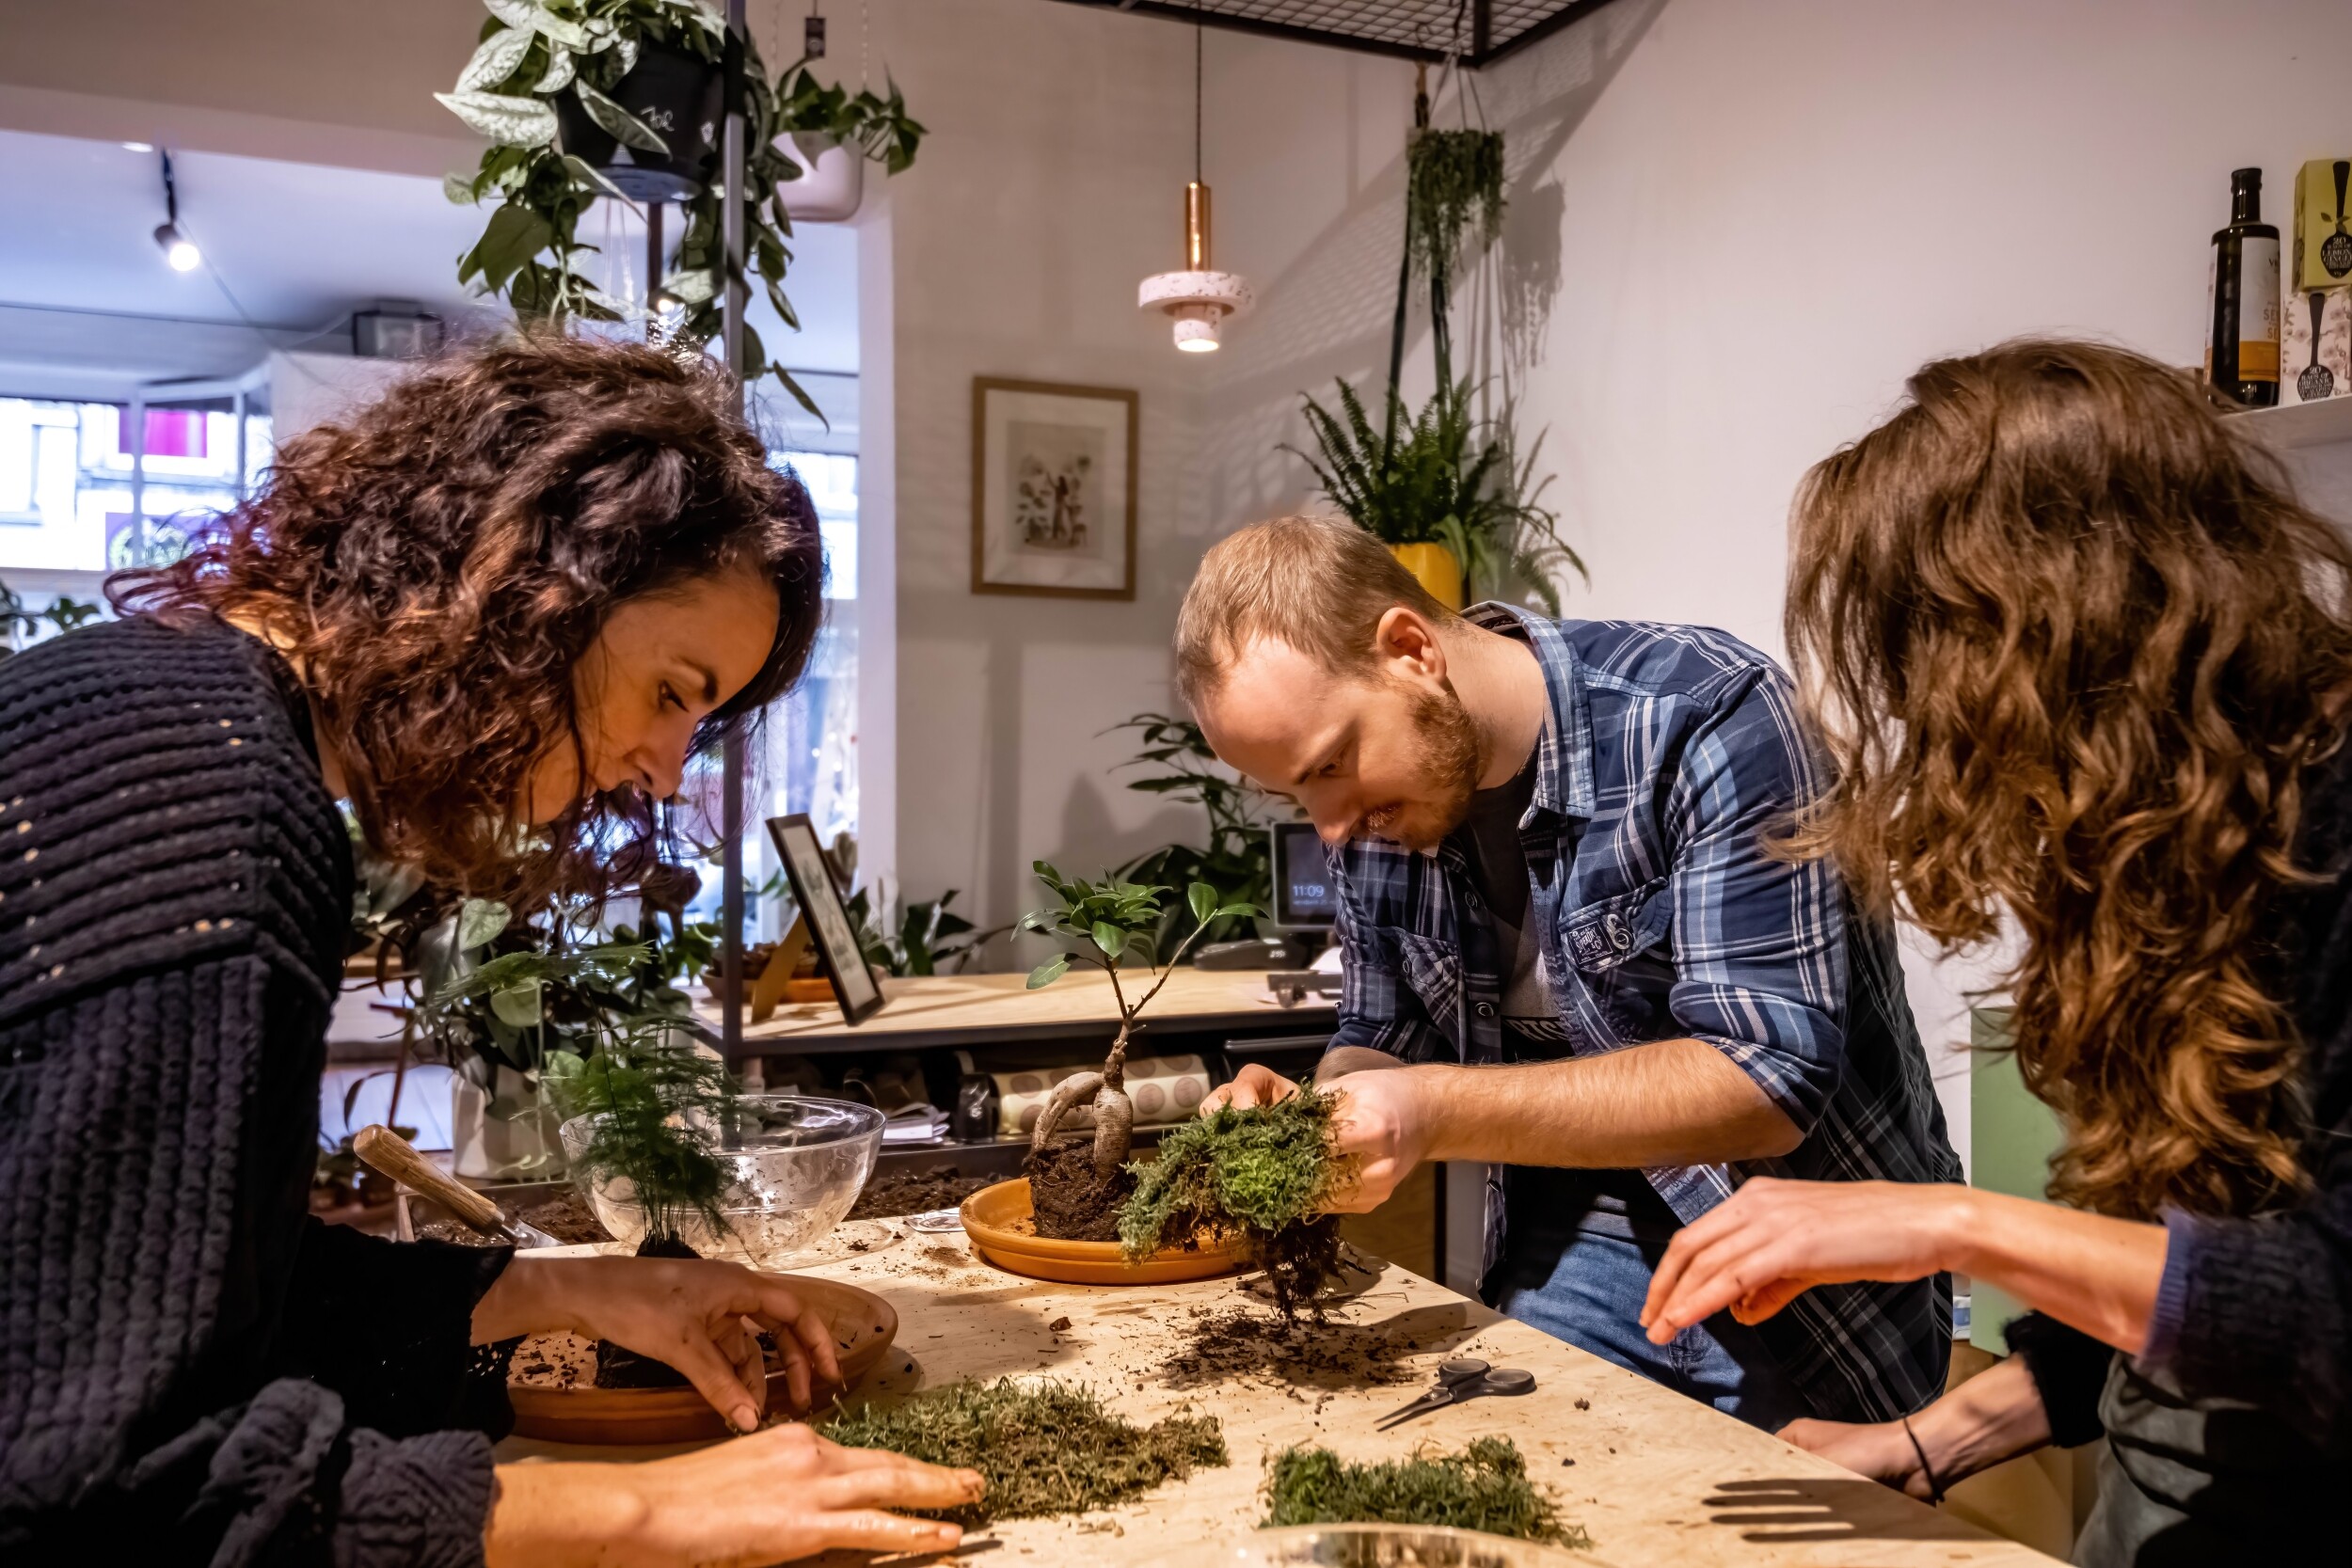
1451	766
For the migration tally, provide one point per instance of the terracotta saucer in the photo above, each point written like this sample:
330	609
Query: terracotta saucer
864	1326
1000	1222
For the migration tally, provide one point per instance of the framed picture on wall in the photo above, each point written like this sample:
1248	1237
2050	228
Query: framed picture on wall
1053	489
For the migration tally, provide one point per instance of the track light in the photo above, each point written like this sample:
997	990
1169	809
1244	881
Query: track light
177	247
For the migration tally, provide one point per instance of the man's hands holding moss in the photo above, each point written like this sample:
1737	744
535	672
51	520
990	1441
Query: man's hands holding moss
1382	1117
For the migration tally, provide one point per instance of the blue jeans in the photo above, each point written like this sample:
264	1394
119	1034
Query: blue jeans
1588	1287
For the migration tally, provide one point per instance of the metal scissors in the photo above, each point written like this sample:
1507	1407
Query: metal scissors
1459	1380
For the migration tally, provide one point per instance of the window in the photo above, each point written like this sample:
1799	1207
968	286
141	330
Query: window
79	493
809	760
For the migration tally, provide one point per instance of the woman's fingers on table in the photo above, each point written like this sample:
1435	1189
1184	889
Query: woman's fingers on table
898	1483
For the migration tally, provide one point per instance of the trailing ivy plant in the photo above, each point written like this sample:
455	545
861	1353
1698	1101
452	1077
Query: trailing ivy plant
1238	860
1453	188
1105	923
1442	476
530	253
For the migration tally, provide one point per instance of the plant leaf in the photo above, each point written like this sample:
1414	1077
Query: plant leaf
617	121
508	121
458	189
591	176
562	64
1050	971
513	235
517	1005
480	920
690	286
1111	939
495	59
1202	897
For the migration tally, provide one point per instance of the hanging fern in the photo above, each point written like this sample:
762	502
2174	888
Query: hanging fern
1453	187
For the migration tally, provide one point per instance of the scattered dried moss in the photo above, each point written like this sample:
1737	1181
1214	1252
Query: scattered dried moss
1259	1172
1485	1487
1045	1447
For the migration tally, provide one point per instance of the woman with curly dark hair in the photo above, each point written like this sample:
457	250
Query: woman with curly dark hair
497	611
2084	666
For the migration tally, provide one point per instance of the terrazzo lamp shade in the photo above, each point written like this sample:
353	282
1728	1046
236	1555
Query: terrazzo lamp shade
1199	298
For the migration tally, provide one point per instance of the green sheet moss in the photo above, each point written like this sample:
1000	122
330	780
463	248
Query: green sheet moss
1485	1487
1044	1447
1259	1173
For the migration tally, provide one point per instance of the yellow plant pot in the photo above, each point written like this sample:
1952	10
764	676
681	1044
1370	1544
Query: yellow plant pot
1434	567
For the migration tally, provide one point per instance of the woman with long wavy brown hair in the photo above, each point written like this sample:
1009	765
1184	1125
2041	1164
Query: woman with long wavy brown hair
2084	666
497	611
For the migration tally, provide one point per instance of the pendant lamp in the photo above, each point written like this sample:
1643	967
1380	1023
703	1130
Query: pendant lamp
1198	298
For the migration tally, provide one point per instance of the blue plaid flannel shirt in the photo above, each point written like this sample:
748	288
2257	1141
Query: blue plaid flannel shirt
1666	754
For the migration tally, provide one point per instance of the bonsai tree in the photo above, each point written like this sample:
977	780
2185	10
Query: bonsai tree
1104	923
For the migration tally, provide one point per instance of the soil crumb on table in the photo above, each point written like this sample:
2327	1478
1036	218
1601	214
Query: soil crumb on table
1216	1346
892	1193
564	1215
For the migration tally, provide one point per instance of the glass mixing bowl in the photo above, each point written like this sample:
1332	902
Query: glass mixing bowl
795	1170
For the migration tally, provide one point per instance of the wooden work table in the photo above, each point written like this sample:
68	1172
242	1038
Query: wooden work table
999	1009
1656	1479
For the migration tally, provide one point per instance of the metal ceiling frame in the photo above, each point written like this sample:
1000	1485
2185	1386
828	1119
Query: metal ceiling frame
1483	51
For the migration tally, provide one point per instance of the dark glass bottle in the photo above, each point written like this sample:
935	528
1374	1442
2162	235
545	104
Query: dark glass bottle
2242	321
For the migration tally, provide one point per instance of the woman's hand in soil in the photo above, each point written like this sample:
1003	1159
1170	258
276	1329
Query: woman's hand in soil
703	1318
774	1496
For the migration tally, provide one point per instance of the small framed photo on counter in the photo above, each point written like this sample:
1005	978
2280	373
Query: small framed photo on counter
1053	489
813	889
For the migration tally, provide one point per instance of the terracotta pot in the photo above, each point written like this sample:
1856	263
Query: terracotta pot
1434	567
864	1325
1000	1222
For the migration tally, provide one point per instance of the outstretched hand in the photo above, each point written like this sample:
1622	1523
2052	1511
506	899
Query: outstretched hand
702	1317
1773	1241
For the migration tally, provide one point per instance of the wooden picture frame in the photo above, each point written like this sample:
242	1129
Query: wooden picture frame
1051	463
853	983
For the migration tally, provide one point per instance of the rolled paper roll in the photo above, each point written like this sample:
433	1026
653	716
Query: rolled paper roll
1165	1089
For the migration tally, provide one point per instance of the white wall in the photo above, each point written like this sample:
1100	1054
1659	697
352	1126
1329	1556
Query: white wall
1774	212
1052	183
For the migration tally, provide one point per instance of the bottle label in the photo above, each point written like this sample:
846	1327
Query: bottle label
2258	310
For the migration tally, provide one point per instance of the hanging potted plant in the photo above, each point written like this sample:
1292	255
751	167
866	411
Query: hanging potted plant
831	134
621	99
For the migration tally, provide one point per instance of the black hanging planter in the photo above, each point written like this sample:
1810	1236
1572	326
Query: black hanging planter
676	92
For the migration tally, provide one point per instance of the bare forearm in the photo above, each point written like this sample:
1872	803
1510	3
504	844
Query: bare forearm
1995	1416
2088	1270
562	1516
1672	1103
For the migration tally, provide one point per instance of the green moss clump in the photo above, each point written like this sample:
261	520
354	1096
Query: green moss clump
1044	1447
1257	1173
1485	1487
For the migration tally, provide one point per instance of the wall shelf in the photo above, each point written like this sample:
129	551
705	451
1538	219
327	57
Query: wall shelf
2305	425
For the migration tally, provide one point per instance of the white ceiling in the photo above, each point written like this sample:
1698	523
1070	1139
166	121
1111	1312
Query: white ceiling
85	297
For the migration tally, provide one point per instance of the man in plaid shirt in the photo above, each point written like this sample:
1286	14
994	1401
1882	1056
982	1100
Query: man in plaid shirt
1572	952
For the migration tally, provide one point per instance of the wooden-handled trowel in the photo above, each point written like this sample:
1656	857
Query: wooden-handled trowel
390	1154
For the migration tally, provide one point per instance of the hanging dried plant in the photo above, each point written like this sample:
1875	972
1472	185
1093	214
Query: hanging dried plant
1453	188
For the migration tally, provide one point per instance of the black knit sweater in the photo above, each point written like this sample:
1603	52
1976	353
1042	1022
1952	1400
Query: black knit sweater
2233	1439
191	1370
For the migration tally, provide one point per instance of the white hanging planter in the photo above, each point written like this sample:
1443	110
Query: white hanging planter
832	182
498	1127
